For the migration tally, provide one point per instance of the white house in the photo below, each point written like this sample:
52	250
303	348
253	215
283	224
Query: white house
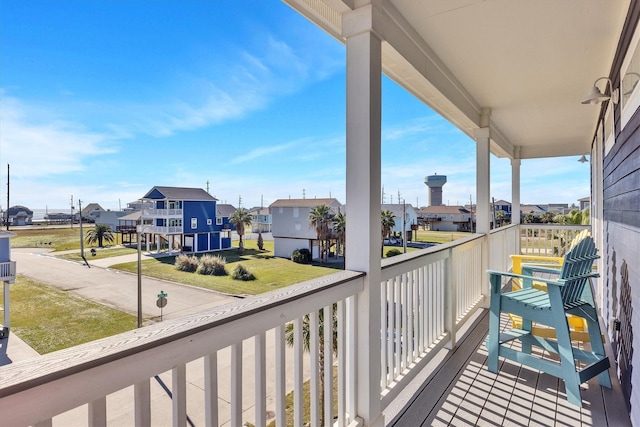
290	225
446	218
399	211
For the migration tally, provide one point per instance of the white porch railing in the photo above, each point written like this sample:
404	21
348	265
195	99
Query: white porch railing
161	213
548	239
503	241
163	230
8	271
34	391
426	297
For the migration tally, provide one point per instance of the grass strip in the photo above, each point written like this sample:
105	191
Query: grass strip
49	319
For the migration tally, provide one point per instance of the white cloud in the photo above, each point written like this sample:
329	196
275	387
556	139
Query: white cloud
37	146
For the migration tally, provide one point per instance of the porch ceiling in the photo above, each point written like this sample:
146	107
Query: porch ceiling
530	63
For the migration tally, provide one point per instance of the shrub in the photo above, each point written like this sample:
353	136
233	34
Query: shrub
186	263
301	256
393	252
213	265
242	273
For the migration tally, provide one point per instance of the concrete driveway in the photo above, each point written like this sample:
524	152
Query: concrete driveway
112	287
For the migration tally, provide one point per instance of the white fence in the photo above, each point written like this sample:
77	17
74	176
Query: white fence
548	239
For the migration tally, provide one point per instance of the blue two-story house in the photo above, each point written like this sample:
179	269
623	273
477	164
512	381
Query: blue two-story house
184	219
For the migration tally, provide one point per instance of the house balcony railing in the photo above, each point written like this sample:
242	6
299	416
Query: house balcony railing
426	297
157	229
161	213
8	271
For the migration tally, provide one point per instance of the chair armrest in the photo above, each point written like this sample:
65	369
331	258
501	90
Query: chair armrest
517	260
525	279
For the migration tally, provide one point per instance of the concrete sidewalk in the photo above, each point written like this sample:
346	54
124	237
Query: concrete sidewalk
115	288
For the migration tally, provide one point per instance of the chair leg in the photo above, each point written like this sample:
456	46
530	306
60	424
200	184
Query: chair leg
526	326
568	363
493	343
597	347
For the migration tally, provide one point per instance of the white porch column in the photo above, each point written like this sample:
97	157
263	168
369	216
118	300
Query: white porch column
7	318
515	191
483	193
364	81
483	173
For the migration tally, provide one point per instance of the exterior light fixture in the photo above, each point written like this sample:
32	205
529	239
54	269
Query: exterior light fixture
595	96
583	159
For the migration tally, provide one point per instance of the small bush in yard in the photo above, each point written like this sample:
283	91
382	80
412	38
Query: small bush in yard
242	273
186	263
213	265
301	256
393	252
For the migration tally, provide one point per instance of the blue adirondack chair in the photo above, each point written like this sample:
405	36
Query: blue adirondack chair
568	292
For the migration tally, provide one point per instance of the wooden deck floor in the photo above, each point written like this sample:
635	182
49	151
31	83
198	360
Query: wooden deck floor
462	392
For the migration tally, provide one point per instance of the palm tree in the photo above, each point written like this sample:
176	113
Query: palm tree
240	219
388	222
319	219
340	228
100	233
306	345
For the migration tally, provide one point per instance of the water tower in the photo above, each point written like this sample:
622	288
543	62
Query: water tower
435	183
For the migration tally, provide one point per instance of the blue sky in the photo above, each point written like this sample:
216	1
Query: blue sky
103	100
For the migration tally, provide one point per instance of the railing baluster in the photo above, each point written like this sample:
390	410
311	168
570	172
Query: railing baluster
351	357
403	333
142	403
211	389
179	392
281	391
261	380
236	384
397	327
384	304
313	368
298	409
342	361
328	365
98	412
415	334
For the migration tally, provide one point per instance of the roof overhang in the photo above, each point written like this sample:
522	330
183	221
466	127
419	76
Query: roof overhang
529	63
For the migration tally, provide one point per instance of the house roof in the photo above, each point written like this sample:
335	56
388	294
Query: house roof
133	216
14	210
178	193
224	210
502	202
257	210
443	210
92	207
304	203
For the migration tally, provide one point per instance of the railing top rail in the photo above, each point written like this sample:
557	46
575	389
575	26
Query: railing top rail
411	256
556	226
504	228
23	375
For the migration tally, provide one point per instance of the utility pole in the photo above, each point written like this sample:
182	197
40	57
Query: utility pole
207	186
82	235
72	211
304	193
7	213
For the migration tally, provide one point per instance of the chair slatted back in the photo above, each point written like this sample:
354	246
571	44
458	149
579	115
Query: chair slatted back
577	266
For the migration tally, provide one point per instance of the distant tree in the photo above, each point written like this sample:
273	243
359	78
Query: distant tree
547	217
306	345
586	216
388	222
240	219
100	233
531	218
320	219
340	229
500	215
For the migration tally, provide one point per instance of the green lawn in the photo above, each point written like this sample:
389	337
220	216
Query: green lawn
440	236
49	319
271	272
58	239
106	252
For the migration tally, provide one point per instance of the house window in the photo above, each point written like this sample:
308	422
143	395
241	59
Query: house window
219	221
296	212
194	223
209	222
298	226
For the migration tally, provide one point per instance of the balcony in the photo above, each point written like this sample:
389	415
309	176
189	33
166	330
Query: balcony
161	213
157	229
231	364
8	271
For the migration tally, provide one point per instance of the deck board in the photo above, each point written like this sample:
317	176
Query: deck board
462	392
